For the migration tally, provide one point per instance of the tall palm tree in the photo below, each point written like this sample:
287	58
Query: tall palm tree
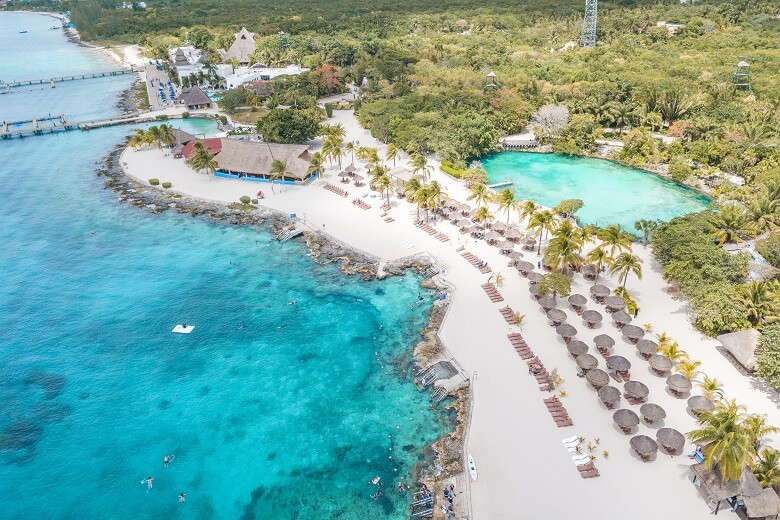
711	387
761	301
410	188
165	135
544	222
316	164
527	209
586	232
337	131
277	171
758	429
768	468
480	194
725	440
421	199
139	138
328	146
615	239
646	227
563	249
153	136
624	264
483	215
420	165
436	196
350	149
600	258
391	153
507	203
385	186
688	368
732	224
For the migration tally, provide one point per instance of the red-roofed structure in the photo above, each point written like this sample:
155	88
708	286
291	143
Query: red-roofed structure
213	145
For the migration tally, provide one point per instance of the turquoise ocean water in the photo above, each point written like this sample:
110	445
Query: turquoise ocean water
612	193
272	410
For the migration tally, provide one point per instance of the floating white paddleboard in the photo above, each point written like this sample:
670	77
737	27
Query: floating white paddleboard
183	329
472	468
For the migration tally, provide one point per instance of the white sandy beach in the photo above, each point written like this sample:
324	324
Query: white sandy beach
524	470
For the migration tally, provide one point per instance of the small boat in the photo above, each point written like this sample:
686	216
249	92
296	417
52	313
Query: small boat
23	32
472	468
183	328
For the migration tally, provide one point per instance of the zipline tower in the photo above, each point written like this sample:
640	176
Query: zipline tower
588	36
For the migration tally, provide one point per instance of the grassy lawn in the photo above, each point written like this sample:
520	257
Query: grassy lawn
248	117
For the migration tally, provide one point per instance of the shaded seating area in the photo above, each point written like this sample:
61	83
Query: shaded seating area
652	412
610	396
646	348
670	440
591	318
745	494
577	302
644	447
635	392
626	420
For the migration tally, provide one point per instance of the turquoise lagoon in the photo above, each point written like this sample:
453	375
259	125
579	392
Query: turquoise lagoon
272	410
612	193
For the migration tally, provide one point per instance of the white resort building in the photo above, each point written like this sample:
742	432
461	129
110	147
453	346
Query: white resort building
261	73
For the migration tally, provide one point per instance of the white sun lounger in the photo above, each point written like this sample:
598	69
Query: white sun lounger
572	448
570	439
579	460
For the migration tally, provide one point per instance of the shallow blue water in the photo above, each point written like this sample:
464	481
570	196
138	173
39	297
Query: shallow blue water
272	410
612	193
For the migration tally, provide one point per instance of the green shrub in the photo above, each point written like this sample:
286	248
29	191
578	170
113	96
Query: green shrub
770	249
223	119
449	169
161	117
244	199
768	358
329	109
185	114
166	185
679	169
254	201
154	182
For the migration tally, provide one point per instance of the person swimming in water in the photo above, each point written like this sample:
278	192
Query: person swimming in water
182	498
166	460
148	482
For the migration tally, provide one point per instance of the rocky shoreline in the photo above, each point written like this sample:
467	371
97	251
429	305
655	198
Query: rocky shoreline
443	458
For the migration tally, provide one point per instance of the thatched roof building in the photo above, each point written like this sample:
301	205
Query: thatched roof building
742	345
253	160
194	98
242	48
759	503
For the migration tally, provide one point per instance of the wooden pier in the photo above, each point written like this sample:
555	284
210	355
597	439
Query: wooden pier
505	184
62	124
5	87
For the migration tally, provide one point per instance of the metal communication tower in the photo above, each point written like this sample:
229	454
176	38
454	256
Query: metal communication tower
588	36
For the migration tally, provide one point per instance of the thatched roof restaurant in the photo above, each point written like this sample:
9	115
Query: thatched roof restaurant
252	160
758	502
242	48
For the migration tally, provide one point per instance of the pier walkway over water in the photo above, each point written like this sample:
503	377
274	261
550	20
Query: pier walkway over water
6	86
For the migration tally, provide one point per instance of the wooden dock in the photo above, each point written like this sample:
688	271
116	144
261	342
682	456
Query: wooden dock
62	124
504	184
6	87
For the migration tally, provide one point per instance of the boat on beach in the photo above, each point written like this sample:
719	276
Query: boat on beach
472	468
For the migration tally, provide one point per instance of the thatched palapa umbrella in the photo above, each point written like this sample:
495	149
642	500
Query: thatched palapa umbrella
533	289
566	331
493	236
358	177
625	419
577	348
599	291
344	176
528	243
660	364
525	267
635	390
453	204
498	226
464	223
618	364
512	233
602	340
589	272
465	209
678	384
350	169
587	362
621	318
548	302
591	318
515	255
646	348
556	316
609	395
614	303
699	403
534	277
506	245
597	377
644	446
577	300
670	439
633	333
652	412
